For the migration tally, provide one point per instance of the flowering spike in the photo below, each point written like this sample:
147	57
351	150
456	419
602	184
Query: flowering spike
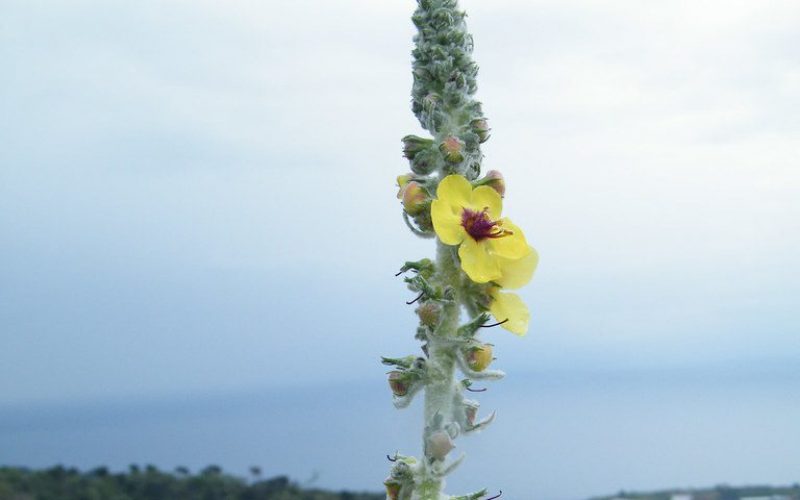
479	252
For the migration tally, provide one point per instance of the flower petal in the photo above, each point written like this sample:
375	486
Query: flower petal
477	263
486	197
509	306
517	272
512	246
455	190
447	223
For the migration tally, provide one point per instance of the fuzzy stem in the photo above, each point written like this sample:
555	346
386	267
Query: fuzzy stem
440	391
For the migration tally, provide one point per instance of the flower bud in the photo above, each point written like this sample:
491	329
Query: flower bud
452	148
481	128
392	489
439	445
479	357
424	162
429	314
413	145
402	181
399	383
415	199
495	180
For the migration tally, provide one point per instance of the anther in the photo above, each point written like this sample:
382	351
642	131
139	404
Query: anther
495	324
496	496
418	297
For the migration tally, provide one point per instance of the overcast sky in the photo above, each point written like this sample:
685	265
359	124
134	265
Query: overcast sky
198	196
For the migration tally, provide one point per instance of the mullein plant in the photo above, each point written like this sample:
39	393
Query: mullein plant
479	255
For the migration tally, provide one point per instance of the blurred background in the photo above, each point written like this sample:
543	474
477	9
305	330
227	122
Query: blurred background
199	231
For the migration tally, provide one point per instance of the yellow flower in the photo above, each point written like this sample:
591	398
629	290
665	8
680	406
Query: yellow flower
470	218
516	273
508	307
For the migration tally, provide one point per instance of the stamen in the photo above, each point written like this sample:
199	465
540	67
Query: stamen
479	226
496	496
418	297
496	324
389	458
477	390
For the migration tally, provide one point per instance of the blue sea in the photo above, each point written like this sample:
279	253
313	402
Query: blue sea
557	436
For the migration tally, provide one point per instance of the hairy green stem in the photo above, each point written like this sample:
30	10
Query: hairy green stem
441	388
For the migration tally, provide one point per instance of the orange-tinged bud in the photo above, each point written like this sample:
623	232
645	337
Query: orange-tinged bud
392	489
398	382
452	148
495	180
402	181
415	199
481	129
480	357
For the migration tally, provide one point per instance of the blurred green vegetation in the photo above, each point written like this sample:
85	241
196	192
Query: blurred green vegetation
211	483
149	483
722	492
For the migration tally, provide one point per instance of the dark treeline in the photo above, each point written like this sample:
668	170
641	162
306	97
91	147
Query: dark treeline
149	483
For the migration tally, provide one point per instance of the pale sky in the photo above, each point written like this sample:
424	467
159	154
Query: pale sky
199	196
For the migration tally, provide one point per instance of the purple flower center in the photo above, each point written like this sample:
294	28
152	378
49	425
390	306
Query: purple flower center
480	226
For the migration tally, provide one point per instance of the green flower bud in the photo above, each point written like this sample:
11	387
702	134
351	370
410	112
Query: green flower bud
479	357
415	198
413	145
452	148
424	162
481	128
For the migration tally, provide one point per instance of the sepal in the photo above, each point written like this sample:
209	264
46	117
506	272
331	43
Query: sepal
469	330
406	362
473	496
412	145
